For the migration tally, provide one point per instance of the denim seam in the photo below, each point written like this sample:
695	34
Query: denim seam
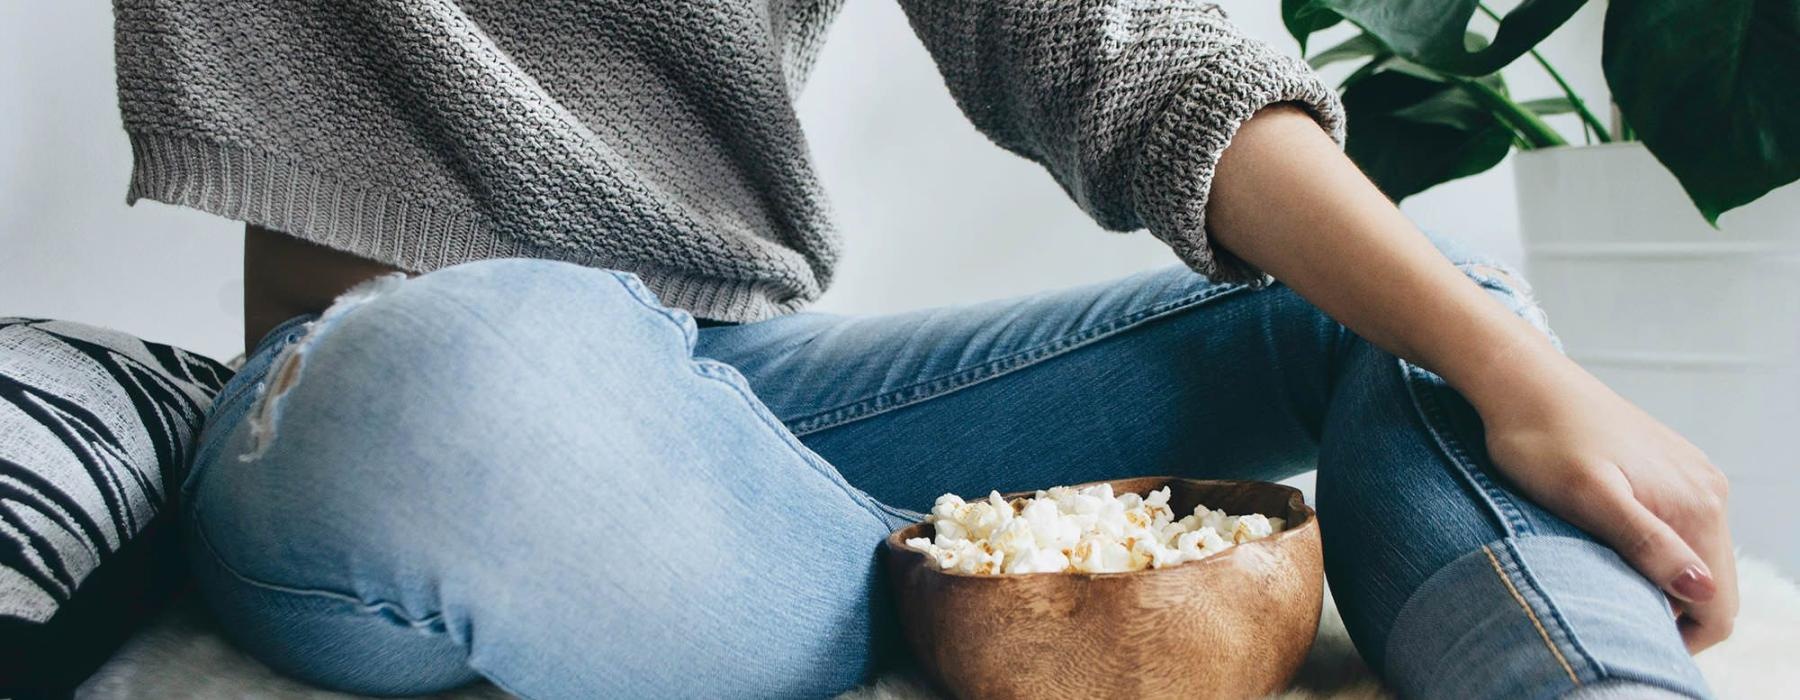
238	393
259	385
969	376
727	375
1505	559
1506	580
710	369
902	514
430	624
1595	670
635	287
1512	521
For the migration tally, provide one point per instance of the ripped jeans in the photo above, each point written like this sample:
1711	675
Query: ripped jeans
532	472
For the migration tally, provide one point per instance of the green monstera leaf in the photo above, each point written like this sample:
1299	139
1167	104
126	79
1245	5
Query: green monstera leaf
1709	87
1359	46
1303	17
1430	32
1713	89
1410	131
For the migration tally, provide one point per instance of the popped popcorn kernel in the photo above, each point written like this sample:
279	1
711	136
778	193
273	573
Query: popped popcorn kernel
1086	530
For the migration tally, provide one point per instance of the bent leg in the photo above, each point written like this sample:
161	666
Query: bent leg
1157	373
517	469
1453	584
1450	583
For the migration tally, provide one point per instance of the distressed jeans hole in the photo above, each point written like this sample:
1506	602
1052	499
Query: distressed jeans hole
290	363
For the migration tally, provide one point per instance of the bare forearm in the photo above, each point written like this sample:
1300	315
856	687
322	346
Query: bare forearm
1287	200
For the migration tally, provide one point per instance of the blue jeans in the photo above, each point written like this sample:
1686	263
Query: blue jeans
534	473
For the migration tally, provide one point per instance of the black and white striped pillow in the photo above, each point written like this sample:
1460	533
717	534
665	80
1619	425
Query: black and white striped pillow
96	430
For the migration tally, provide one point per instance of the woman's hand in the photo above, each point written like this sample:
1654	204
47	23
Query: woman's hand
1593	458
1286	199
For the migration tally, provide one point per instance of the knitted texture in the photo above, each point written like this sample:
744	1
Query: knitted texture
656	136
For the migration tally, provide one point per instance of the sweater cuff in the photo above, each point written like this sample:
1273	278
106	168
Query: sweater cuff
1181	151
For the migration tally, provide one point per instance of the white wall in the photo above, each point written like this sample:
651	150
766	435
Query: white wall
69	247
934	213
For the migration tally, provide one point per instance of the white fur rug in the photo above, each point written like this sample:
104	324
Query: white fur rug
183	656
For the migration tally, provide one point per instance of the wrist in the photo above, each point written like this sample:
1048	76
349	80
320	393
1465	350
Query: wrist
1512	372
1483	349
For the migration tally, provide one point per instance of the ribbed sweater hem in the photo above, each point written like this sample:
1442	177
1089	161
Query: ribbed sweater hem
1185	143
281	193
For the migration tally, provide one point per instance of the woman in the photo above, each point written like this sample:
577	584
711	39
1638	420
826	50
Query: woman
530	463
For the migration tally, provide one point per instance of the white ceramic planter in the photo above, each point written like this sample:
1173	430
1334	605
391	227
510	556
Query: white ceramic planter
1699	326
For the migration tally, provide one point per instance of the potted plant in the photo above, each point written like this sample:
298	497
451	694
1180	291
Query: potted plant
1693	315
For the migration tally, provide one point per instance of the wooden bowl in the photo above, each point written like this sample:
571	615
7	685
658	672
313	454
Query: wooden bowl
1234	625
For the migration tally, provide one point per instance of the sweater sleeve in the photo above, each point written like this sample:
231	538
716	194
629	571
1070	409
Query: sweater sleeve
1128	103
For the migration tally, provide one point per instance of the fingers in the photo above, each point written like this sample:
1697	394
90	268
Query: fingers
1684	546
1703	585
1657	551
1650	545
1707	623
1698	516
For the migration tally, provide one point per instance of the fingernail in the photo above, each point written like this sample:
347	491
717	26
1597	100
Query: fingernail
1694	585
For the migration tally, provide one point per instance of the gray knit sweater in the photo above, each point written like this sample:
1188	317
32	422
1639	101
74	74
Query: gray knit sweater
656	136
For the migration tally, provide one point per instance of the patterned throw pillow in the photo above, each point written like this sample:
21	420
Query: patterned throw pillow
96	429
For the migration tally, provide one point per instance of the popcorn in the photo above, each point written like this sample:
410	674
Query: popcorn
1099	554
1250	527
1087	530
1199	544
1035	561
